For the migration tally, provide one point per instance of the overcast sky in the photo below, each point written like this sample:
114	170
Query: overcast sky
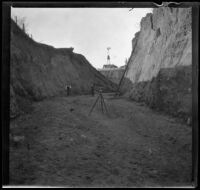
88	30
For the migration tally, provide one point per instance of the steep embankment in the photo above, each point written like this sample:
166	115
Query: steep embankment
39	71
159	70
114	75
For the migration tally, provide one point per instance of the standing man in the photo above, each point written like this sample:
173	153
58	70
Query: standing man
68	87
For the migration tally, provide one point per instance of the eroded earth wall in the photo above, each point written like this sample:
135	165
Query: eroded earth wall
39	71
159	70
114	75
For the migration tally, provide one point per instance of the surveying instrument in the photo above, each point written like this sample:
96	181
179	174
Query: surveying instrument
102	102
100	96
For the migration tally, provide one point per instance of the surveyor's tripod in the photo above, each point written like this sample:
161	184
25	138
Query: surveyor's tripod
103	105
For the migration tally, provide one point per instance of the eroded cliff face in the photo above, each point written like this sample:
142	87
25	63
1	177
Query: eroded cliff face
113	75
38	71
159	69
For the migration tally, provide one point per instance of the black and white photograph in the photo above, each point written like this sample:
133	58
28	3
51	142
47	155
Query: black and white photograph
101	96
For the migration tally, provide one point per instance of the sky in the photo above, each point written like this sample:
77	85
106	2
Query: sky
88	30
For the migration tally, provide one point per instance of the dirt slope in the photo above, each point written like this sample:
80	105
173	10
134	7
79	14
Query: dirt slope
161	60
131	147
170	91
39	71
114	75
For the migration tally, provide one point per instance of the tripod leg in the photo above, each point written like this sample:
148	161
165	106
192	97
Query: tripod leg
93	105
104	105
101	104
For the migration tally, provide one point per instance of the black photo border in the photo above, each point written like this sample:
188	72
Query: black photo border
5	68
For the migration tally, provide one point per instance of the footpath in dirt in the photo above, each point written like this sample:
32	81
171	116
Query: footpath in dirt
132	146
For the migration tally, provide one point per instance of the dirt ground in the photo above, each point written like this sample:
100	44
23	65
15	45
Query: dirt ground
131	146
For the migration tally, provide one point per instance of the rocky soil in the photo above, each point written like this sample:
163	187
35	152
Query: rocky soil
60	145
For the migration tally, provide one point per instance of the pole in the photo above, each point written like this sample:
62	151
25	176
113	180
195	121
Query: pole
126	69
